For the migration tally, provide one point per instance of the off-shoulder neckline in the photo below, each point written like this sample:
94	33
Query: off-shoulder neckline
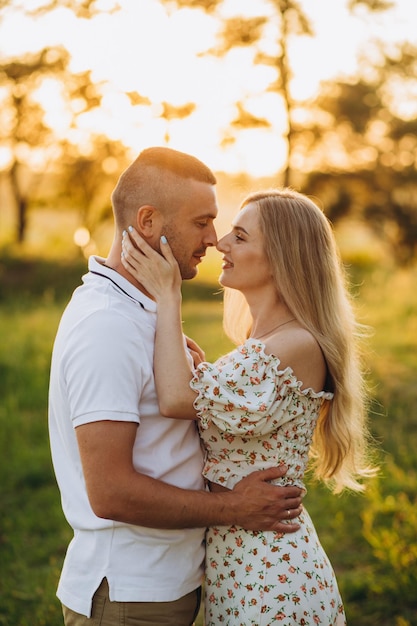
287	371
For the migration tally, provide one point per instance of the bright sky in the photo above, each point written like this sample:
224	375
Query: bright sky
143	48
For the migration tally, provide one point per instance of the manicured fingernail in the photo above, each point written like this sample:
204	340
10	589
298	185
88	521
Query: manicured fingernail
130	228
163	239
124	233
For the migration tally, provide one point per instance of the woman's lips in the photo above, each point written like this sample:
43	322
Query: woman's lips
226	264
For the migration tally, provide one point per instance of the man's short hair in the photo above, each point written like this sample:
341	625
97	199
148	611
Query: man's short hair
157	177
179	163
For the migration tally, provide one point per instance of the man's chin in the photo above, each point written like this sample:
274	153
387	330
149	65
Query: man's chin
189	273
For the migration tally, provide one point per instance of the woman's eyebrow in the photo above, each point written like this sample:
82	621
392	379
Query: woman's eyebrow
240	229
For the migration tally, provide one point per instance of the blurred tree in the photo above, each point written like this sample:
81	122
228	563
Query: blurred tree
170	112
25	132
360	147
288	20
22	127
86	179
362	151
372	5
81	8
28	85
164	110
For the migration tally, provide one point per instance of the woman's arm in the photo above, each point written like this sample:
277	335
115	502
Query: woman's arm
159	274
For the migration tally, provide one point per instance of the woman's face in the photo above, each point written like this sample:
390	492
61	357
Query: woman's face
245	266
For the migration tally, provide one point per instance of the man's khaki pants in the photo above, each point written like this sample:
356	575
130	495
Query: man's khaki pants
180	612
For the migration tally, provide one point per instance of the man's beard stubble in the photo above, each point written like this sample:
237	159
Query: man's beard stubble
187	270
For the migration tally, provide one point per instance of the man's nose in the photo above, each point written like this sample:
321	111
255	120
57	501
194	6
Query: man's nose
211	237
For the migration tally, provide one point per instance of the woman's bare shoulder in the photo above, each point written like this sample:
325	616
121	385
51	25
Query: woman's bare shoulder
298	349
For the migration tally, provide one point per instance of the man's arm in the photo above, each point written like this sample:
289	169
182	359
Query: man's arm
117	491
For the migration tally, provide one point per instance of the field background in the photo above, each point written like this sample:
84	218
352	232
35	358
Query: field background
371	539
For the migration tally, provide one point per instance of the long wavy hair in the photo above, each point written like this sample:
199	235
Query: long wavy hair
310	279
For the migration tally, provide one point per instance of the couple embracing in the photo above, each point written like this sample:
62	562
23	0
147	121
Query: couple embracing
165	461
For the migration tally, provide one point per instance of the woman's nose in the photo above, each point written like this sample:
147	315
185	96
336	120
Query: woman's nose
222	244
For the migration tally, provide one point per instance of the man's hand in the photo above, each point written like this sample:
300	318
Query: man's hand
264	506
117	491
196	352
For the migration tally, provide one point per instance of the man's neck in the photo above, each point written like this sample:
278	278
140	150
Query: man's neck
113	262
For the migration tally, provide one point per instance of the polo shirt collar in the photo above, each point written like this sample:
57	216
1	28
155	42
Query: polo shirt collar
96	266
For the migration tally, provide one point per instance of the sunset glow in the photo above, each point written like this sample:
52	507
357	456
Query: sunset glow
145	49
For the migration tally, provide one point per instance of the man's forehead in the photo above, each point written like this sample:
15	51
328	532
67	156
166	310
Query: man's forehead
196	213
198	201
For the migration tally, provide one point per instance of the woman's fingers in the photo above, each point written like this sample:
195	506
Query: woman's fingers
141	247
134	253
166	251
156	271
137	252
140	244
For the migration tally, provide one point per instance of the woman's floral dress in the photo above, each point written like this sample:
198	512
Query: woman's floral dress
252	415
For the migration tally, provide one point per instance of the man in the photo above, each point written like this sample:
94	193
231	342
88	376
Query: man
130	479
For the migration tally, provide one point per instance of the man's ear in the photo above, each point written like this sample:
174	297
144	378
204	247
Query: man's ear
148	221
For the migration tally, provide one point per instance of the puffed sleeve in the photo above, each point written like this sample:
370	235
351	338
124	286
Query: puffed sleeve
247	393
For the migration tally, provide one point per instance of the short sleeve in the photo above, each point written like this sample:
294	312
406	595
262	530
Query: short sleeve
103	369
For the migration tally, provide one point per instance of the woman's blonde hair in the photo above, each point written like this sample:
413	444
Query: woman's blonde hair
310	279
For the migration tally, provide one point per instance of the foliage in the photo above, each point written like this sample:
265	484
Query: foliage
87	179
390	524
39	281
372	5
81	8
24	131
374	559
288	20
354	147
368	168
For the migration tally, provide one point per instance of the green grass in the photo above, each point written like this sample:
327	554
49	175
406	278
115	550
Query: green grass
371	540
33	534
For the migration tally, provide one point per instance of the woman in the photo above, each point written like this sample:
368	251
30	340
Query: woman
291	390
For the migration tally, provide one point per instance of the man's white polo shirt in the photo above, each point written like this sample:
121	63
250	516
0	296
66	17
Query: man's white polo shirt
102	369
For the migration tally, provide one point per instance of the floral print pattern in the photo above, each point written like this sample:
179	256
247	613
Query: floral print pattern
254	415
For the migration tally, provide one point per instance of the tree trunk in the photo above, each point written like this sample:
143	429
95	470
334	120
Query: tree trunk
22	220
21	203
